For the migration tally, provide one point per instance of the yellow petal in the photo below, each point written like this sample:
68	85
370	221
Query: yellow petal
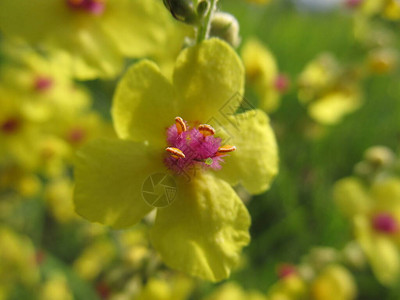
109	176
381	251
204	230
255	162
206	79
351	197
331	108
138	28
143	105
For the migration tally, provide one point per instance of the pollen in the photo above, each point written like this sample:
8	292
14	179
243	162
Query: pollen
180	125
206	130
175	152
225	149
192	148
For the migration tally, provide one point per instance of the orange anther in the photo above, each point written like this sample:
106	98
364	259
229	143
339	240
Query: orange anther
180	125
206	130
225	149
175	152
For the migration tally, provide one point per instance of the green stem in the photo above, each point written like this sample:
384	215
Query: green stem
204	28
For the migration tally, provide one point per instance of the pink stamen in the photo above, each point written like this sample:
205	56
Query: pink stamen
197	149
95	7
103	290
43	83
76	135
282	83
385	223
40	257
286	270
10	125
353	3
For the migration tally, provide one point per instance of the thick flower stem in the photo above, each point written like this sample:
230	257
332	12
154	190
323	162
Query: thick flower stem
204	28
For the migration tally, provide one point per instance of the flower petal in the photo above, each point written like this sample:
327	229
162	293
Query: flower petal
91	53
386	194
138	28
331	108
351	196
204	230
21	18
206	78
109	176
381	251
255	162
143	106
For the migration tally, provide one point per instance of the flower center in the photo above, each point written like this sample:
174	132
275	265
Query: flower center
281	83
42	83
286	270
95	7
353	3
10	125
76	135
385	223
194	146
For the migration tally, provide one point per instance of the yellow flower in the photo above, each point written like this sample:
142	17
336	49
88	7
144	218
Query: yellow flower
45	83
58	195
329	90
375	213
206	225
94	35
18	129
17	261
289	287
95	258
334	283
177	288
383	60
262	74
259	1
56	288
233	291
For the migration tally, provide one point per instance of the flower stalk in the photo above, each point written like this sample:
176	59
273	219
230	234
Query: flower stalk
204	28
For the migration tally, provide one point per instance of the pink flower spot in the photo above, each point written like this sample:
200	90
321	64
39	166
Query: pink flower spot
385	223
95	7
282	83
10	125
43	83
286	270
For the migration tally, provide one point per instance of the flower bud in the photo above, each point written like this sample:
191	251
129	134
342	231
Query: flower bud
379	156
182	10
225	27
354	255
202	8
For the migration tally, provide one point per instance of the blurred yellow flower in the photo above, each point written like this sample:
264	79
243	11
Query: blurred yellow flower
93	35
58	196
17	261
175	288
95	258
259	1
262	74
375	213
56	288
329	90
334	283
233	291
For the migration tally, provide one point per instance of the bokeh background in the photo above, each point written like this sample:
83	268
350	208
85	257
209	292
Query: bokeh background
45	253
